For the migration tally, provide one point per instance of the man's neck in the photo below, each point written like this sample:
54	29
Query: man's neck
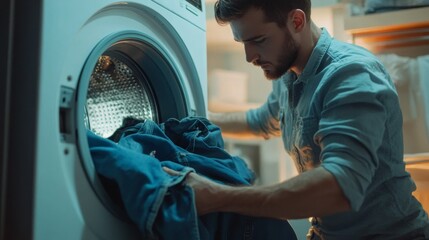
309	41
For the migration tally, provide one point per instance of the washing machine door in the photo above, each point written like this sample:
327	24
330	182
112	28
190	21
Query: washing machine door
127	75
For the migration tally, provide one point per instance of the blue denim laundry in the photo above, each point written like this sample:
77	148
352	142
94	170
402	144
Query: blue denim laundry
196	135
161	205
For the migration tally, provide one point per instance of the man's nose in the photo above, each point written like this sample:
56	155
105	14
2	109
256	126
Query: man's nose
251	54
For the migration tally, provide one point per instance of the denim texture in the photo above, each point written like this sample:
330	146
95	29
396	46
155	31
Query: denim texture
342	113
162	206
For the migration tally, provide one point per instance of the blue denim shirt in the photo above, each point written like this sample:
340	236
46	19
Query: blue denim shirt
342	113
161	205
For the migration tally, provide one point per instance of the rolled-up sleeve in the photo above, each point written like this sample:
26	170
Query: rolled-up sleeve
352	127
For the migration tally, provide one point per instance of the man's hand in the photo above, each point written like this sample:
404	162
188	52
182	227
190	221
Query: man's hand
205	190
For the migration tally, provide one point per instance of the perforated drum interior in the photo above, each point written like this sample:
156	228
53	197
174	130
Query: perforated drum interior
132	78
116	91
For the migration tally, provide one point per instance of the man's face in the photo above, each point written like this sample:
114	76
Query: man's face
265	43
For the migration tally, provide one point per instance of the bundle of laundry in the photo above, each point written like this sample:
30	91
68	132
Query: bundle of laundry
163	206
374	6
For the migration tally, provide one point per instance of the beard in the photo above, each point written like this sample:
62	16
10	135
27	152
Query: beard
289	53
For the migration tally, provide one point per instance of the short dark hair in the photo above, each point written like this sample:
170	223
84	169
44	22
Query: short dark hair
274	10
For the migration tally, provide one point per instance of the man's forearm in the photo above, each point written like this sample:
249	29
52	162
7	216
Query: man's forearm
312	193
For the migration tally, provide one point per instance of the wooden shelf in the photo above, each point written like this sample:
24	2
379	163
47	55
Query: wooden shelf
417	158
220	106
381	32
388	21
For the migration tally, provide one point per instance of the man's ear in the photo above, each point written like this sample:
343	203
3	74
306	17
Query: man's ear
297	19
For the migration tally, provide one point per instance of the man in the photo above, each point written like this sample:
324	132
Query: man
338	113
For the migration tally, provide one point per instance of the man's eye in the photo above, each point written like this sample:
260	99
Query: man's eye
261	40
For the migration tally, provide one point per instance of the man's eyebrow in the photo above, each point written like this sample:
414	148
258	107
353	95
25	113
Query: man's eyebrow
249	39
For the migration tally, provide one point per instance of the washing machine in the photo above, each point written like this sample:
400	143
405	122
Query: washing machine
74	65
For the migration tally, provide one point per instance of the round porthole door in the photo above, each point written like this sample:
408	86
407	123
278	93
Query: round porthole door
129	75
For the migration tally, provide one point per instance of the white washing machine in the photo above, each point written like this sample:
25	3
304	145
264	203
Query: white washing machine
73	65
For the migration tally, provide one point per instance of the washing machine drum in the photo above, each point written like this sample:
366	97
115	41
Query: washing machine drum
115	92
132	79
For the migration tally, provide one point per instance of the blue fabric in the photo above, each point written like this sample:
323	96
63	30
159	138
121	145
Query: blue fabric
374	6
342	113
161	205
